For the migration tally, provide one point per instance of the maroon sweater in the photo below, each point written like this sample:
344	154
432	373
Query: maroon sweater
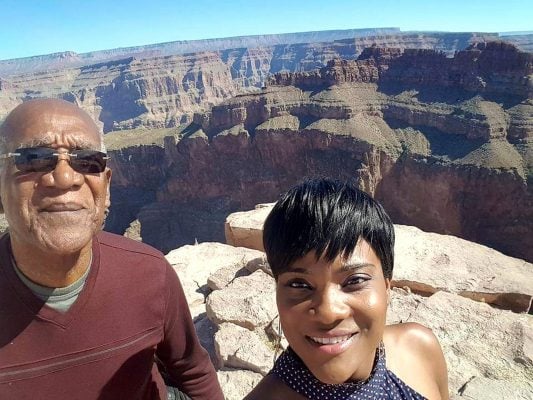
131	309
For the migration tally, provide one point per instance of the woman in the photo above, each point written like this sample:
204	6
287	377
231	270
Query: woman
330	247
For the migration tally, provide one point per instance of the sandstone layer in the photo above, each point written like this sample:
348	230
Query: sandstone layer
487	349
410	127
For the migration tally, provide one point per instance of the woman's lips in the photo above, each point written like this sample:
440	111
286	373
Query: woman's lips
332	345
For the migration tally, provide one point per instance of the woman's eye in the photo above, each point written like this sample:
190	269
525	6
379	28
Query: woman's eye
355	281
298	285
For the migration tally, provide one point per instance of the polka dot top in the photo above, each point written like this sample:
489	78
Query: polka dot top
382	383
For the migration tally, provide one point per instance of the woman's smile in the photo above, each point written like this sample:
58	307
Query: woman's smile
332	345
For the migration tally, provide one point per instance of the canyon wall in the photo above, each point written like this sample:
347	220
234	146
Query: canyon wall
440	153
71	59
164	85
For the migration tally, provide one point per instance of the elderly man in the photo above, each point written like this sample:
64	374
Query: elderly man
83	314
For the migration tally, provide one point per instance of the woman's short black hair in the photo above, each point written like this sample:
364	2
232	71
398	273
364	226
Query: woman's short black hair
329	217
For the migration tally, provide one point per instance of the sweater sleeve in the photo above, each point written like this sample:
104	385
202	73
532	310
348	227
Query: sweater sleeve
184	360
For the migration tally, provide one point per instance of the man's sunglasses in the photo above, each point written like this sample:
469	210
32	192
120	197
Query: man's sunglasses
44	159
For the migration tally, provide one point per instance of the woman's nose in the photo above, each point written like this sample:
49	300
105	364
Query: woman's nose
330	306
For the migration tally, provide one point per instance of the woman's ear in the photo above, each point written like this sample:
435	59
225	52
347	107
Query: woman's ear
388	288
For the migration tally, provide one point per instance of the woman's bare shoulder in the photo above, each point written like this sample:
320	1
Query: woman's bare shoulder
272	388
414	354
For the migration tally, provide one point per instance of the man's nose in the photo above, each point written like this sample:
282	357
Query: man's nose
330	306
63	176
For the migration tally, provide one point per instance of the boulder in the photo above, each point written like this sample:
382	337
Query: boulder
195	263
478	340
245	228
402	304
237	383
248	301
224	276
238	347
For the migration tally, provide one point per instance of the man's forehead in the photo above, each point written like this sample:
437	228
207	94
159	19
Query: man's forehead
59	140
48	124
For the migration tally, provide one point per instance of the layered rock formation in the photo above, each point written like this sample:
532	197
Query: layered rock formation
487	348
163	85
128	93
439	152
70	59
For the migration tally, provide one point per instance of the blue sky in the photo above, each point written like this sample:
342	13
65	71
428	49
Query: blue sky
34	27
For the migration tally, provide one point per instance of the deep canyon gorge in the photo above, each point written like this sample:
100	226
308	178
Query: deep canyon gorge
437	126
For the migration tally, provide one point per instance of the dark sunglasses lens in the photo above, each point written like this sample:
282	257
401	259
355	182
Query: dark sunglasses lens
43	159
88	161
38	159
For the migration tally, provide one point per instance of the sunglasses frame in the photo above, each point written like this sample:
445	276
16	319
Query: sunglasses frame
52	153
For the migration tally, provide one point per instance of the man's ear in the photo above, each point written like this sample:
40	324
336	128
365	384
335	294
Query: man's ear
108	174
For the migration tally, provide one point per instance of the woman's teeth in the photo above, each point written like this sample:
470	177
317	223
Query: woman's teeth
331	340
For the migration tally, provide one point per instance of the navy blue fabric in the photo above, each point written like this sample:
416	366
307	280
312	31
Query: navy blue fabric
381	385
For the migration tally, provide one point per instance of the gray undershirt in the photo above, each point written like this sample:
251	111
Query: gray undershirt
60	299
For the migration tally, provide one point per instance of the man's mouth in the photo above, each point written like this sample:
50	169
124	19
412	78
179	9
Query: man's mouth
62	207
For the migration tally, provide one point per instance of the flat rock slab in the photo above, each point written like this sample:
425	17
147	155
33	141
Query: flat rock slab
249	301
478	340
402	304
428	262
224	276
481	388
237	383
238	347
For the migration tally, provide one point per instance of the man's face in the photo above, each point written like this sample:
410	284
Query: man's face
57	211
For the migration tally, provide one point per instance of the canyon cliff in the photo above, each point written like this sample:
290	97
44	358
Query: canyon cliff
163	85
444	143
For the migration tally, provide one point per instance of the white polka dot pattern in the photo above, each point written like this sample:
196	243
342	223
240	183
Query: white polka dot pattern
381	385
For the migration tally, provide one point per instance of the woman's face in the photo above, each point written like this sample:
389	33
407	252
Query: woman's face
333	313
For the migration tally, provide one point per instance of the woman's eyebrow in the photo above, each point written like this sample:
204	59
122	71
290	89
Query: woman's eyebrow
298	270
350	266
